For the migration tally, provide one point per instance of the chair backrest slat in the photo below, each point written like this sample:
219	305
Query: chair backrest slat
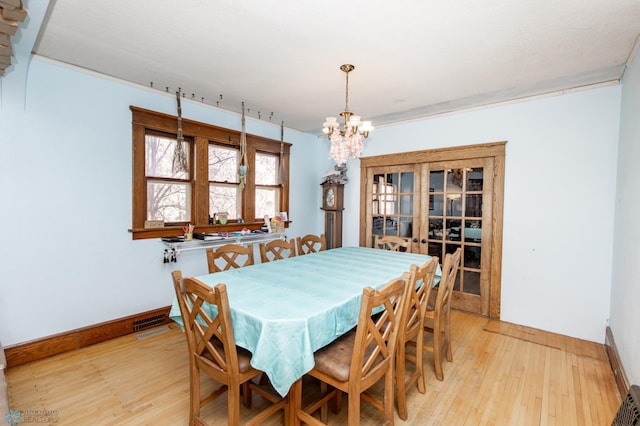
376	336
229	256
276	250
419	284
450	268
207	324
311	244
392	242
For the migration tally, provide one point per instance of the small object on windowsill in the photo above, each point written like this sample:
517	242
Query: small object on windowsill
207	237
223	218
154	223
188	232
173	239
277	225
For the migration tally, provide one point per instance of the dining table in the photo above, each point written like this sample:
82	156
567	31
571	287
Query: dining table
285	310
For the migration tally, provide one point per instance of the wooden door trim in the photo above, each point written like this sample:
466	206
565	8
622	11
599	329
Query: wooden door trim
495	150
464	152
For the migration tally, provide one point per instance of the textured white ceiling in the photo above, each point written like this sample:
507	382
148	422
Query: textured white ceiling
413	58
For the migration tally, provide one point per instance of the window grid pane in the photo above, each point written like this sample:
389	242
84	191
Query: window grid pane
267	201
225	198
159	153
266	169
168	201
223	164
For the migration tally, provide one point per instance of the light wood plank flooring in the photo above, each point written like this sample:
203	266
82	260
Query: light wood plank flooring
501	375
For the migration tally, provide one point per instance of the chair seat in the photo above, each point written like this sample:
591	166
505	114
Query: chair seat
335	359
244	356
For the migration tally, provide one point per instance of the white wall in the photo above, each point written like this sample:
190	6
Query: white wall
68	260
625	291
559	195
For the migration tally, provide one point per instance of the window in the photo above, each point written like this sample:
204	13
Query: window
267	187
168	193
211	184
225	194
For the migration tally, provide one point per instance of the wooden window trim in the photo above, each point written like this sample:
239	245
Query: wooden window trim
144	120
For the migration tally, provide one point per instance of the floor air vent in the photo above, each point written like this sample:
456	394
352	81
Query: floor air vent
629	412
148	322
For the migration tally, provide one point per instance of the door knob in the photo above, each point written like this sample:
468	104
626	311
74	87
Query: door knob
415	240
423	241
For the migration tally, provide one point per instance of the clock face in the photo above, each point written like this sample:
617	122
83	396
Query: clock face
329	197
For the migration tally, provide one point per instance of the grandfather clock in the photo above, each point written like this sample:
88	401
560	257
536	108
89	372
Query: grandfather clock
332	199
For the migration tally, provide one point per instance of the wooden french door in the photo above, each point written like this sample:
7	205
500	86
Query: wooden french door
442	200
395	201
457	214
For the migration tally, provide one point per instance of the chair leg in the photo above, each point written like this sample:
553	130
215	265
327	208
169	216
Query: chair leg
324	415
401	389
233	405
336	402
353	414
246	394
419	361
194	412
437	350
447	337
388	399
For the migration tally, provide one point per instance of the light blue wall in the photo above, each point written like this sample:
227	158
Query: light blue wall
625	290
560	179
559	198
68	258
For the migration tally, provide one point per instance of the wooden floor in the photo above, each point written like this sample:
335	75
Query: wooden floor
501	375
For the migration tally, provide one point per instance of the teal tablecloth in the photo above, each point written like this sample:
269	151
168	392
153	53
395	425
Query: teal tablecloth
284	311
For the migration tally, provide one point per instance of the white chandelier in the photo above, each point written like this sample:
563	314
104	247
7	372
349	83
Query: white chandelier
349	141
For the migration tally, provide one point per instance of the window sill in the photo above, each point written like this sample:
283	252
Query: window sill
176	231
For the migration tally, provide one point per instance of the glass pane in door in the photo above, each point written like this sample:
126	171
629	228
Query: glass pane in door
392	208
436	181
455	219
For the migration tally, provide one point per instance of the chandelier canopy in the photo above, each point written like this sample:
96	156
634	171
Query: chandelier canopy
348	142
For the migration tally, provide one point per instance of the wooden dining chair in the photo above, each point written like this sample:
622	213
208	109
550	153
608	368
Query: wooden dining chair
359	359
419	284
276	250
393	243
437	319
311	244
212	351
229	256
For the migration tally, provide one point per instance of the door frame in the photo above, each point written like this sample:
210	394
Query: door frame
494	150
